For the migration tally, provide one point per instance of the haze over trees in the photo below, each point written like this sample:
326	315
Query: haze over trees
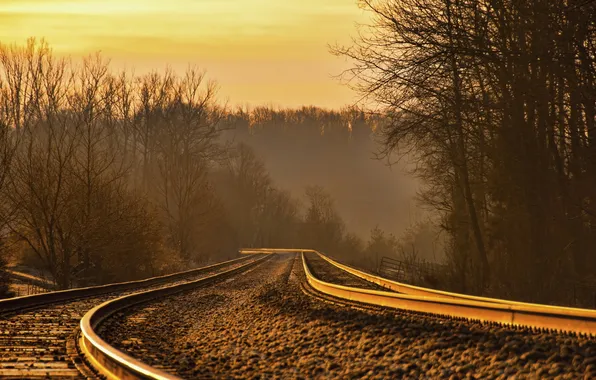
497	101
106	176
334	149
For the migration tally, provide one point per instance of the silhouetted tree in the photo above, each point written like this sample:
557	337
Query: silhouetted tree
496	100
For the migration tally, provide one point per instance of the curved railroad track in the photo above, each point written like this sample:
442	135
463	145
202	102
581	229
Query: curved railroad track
114	363
279	320
321	268
432	301
38	333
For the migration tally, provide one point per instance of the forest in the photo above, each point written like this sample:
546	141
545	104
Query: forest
107	176
497	100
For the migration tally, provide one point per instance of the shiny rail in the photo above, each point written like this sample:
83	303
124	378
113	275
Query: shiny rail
551	318
115	364
567	319
426	292
408	289
31	301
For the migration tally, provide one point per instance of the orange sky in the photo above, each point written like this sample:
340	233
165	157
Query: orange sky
259	51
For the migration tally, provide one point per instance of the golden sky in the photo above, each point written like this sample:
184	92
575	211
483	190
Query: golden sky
259	51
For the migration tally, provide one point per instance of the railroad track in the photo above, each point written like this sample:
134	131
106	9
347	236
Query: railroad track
261	323
412	298
321	268
265	317
38	333
114	363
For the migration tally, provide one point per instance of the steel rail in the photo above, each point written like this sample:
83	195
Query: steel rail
482	308
426	292
36	300
403	288
115	364
560	319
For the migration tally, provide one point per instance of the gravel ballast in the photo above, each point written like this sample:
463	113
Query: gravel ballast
262	325
41	342
330	273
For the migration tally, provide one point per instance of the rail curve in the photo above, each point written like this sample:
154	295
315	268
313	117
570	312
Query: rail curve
113	363
426	300
544	317
26	302
427	292
403	288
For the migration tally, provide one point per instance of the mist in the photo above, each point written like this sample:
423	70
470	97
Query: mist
368	192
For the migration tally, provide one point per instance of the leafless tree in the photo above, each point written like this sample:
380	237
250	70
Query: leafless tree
40	175
495	100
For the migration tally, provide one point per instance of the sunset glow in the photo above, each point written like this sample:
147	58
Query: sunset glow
260	51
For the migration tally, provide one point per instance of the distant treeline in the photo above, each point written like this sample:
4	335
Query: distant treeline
291	124
106	176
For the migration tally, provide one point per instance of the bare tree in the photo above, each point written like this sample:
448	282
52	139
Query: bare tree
66	193
188	145
40	176
493	98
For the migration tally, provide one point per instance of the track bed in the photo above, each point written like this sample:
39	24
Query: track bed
261	324
41	343
323	270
